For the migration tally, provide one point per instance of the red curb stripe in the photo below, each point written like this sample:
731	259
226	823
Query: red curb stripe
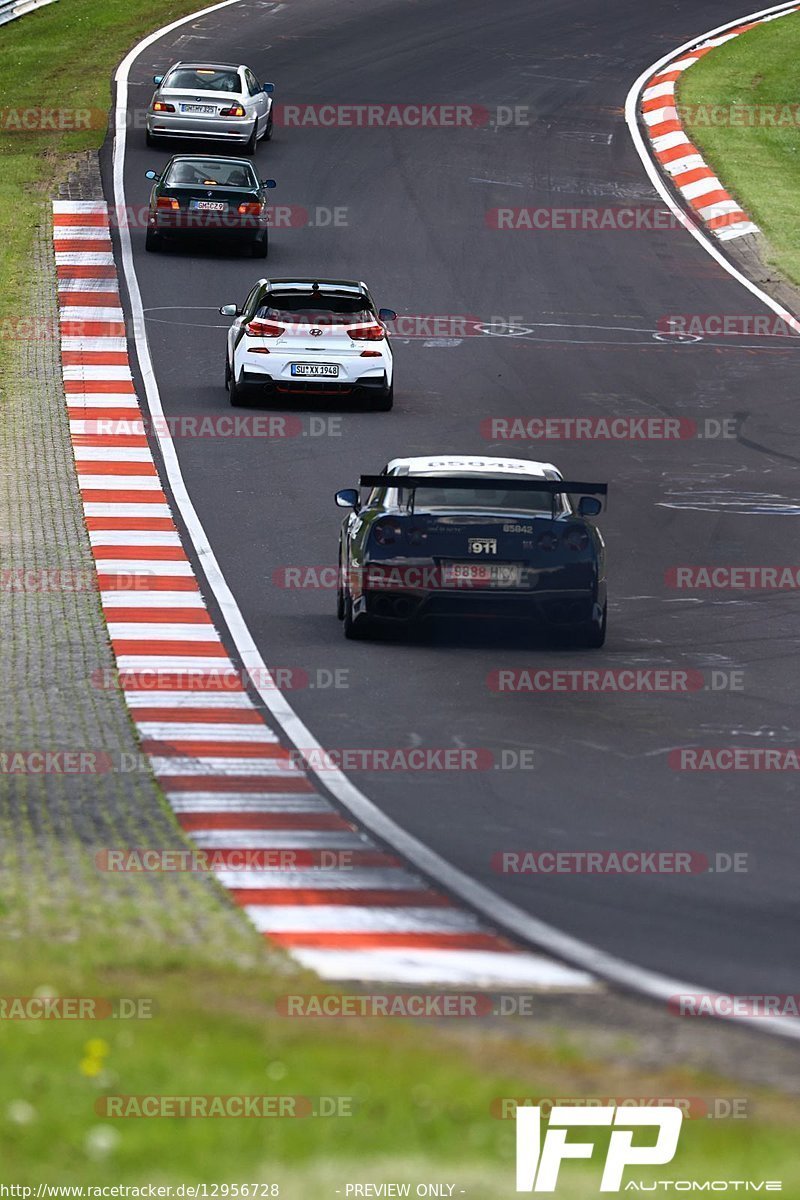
86	328
250	784
201	716
132	417
168	649
93	467
111	496
158	616
130	441
391	941
88	299
100	245
726	219
323	822
388	898
120	581
665	127
79	218
692	176
94	358
134	554
86	271
123	387
131	524
229	859
717	197
682	151
218	749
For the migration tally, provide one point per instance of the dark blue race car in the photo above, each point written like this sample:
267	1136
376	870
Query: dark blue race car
470	536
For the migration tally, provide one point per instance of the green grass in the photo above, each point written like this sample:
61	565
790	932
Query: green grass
60	58
421	1097
758	163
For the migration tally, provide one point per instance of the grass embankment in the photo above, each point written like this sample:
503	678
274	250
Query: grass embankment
741	108
421	1100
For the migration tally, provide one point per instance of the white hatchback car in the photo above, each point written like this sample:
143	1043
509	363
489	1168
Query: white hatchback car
323	336
210	102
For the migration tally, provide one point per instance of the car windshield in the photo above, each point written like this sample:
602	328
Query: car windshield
479	499
210	172
204	79
316	308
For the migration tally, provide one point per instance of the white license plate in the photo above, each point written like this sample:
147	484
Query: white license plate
204	109
469	574
328	370
208	205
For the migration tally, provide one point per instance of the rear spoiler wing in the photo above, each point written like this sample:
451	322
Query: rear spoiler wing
514	483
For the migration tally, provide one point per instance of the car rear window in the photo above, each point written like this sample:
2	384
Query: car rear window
318	308
203	79
210	172
481	500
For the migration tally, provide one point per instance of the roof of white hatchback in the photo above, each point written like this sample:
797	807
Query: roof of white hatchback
469	464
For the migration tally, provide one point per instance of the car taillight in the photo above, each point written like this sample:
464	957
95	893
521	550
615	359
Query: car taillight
547	541
263	329
367	333
162	106
167	202
251	209
385	533
576	538
371	354
235	110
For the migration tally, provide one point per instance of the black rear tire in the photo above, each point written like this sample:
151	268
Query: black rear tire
356	629
250	147
592	635
236	392
268	130
384	402
260	246
149	139
152	240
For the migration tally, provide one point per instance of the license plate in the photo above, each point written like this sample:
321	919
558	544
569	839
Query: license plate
208	205
469	574
329	370
204	109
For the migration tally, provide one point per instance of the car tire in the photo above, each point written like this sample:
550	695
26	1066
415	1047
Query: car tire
252	141
592	635
152	240
340	588
259	247
268	130
236	392
355	628
149	140
385	401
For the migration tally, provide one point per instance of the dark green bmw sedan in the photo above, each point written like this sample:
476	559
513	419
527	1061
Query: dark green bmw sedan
209	197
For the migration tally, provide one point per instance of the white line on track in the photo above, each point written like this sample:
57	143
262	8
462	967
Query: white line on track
516	921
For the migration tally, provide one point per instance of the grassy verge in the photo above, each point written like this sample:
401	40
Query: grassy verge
421	1100
756	151
60	60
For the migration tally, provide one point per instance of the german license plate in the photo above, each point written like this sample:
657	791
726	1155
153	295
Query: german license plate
208	205
314	370
471	574
205	110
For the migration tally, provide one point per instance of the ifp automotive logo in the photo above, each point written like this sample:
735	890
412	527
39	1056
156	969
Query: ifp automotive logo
539	1161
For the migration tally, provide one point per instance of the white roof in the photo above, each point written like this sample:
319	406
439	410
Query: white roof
470	464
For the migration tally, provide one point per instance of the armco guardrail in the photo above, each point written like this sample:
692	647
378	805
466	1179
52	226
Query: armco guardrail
10	9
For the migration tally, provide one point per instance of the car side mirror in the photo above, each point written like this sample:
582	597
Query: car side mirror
268	88
387	314
589	506
157	79
269	183
230	310
151	175
348	498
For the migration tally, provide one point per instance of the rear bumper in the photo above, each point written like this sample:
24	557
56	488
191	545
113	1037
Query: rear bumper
168	126
204	225
552	609
369	385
